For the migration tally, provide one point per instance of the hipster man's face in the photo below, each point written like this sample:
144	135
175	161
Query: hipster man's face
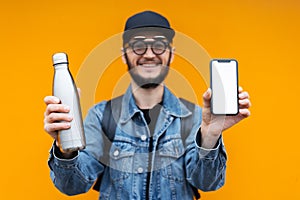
148	57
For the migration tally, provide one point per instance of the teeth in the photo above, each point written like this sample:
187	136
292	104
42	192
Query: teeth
149	65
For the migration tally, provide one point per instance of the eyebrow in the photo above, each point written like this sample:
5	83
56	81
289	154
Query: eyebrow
154	37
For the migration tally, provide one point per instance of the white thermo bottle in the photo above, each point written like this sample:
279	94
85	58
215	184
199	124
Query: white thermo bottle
65	89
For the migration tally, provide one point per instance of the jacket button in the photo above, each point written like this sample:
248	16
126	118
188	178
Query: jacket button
116	153
143	137
140	170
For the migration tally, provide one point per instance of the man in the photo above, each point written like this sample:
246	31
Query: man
150	158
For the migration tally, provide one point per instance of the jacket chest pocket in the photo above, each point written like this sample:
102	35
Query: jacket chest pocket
171	160
121	161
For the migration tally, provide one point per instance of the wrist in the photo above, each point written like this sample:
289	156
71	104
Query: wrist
210	130
63	155
209	137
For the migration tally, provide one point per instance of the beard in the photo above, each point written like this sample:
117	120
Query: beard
147	83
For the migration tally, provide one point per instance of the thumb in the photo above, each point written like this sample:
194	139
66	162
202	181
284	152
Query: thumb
206	98
79	91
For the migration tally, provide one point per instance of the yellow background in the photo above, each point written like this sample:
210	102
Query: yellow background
263	35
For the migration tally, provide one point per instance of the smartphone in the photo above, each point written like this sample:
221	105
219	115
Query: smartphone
224	85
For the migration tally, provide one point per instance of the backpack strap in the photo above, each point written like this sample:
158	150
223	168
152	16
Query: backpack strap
186	126
109	125
187	122
111	117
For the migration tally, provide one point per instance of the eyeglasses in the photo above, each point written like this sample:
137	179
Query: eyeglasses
139	46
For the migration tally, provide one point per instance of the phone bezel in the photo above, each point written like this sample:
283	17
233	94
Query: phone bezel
222	60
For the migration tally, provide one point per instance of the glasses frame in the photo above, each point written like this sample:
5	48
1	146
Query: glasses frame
139	39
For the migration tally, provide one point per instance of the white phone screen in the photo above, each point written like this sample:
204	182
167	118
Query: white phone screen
224	85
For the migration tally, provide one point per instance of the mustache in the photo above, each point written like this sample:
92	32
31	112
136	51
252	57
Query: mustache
144	61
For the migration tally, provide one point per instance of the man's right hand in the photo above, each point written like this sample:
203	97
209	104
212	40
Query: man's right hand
56	116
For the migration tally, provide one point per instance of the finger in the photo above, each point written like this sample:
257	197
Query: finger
244	103
244	112
53	134
55	117
54	127
51	100
240	89
244	95
59	108
79	91
206	98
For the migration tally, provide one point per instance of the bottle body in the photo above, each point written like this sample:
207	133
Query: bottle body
65	89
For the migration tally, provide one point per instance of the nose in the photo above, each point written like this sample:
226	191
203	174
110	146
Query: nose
149	53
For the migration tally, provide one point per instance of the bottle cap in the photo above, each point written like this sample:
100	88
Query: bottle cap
60	58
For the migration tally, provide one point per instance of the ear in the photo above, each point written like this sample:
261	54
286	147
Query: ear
123	56
172	54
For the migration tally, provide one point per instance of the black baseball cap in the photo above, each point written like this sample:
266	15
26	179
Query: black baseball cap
147	21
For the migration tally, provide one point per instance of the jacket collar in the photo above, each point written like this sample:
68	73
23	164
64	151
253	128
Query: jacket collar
171	105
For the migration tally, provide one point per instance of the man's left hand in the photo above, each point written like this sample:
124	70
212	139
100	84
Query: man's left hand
213	125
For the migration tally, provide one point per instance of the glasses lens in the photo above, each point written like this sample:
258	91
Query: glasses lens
139	47
158	47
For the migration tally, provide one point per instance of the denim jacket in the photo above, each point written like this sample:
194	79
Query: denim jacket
131	172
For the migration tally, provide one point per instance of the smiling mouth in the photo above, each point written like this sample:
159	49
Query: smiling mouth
149	65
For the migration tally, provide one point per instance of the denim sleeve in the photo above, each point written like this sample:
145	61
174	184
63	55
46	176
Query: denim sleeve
205	167
77	175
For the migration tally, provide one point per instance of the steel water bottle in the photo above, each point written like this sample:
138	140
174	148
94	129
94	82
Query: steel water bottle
65	89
